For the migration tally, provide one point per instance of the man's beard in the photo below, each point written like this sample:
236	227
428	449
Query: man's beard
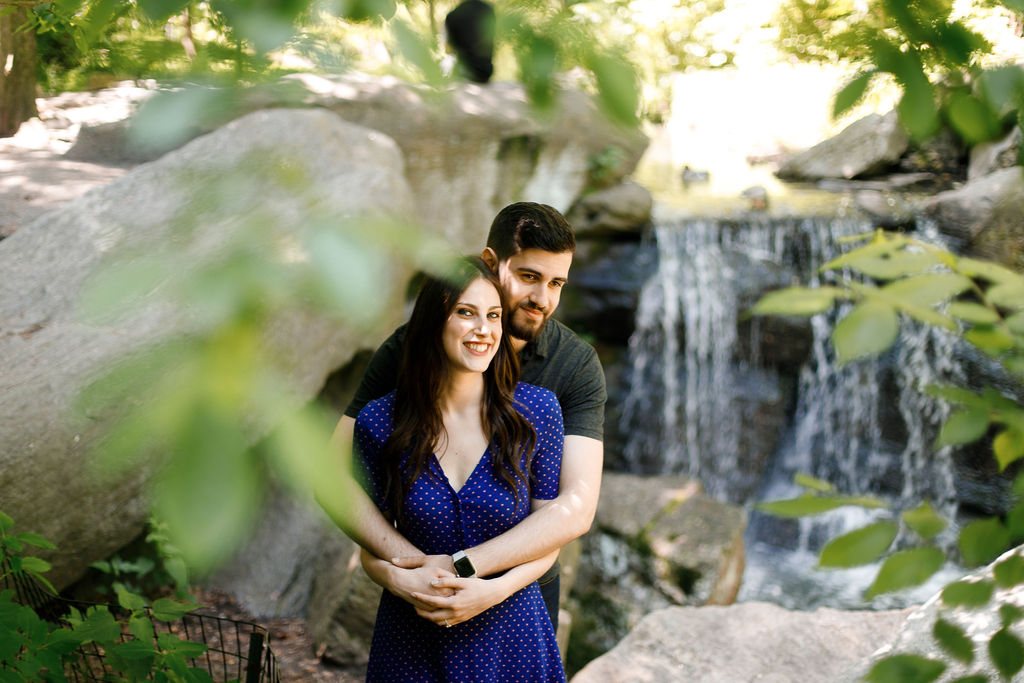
531	330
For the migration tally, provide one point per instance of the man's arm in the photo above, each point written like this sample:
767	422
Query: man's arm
547	528
348	505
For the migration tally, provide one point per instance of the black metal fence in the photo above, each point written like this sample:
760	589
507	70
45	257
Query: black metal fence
235	650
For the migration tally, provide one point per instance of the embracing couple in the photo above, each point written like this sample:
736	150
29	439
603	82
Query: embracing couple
477	435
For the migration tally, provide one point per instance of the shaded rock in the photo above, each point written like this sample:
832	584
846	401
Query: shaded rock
657	541
744	642
50	351
865	147
988	157
623	207
983	216
979	624
886	209
943	154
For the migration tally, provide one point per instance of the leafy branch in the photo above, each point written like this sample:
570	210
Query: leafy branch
888	278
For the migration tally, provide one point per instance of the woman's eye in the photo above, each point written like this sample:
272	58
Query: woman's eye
494	316
465	312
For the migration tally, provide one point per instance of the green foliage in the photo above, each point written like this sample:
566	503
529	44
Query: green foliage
905	669
32	649
953	641
934	57
888	277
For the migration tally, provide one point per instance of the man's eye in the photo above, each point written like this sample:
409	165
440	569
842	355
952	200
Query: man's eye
558	285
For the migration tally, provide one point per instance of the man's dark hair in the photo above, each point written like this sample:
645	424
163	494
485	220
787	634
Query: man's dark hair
529	225
470	28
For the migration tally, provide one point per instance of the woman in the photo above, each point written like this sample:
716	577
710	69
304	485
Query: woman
457	454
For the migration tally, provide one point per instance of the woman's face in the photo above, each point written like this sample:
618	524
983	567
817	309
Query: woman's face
473	329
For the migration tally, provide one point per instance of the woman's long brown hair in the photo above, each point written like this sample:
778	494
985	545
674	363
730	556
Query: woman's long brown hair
423	377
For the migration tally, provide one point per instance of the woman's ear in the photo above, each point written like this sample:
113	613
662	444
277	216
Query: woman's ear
489	257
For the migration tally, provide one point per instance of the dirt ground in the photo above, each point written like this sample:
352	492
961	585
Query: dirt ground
289	641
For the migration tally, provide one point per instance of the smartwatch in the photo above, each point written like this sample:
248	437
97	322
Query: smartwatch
463	565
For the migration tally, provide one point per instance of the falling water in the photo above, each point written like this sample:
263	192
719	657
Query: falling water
688	377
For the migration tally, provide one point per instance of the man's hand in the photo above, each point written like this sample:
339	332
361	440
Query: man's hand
405	582
414	561
466	598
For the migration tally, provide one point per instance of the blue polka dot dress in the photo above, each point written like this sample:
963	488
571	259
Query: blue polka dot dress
511	641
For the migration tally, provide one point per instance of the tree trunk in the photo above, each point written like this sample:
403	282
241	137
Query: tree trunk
17	71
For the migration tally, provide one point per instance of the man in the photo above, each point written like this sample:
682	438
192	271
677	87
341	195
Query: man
530	246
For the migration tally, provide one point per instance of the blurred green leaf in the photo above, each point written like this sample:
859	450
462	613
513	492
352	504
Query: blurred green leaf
617	87
953	641
6	523
166	609
989	271
36	540
972	119
132	602
813	483
161	10
973	313
98	626
974	678
1008	447
929	289
905	669
172	643
1009	572
968	593
924	521
917	109
990	339
141	627
35	565
869	329
813	505
416	49
859	547
135	650
851	93
983	540
893	264
1001	87
538	64
1008	295
905	569
798	301
1016	323
964	426
1010	614
881	246
1006	652
1015	522
366	10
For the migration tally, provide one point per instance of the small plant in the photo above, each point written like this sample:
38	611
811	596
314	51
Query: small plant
33	649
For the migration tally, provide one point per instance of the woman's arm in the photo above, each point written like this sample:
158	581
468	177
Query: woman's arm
470	597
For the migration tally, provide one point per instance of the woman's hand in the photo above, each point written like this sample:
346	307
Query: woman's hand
404	582
465	599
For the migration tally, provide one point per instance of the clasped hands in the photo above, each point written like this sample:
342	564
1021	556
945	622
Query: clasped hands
428	583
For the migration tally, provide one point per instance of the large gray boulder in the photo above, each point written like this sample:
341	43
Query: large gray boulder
657	541
983	216
49	350
865	147
744	642
469	149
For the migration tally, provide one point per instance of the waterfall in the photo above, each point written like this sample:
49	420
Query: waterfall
866	427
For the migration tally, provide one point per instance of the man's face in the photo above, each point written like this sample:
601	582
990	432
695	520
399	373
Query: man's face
533	281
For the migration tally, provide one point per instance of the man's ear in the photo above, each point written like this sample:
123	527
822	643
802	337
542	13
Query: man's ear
490	258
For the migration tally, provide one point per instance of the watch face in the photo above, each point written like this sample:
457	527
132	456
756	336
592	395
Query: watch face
463	567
